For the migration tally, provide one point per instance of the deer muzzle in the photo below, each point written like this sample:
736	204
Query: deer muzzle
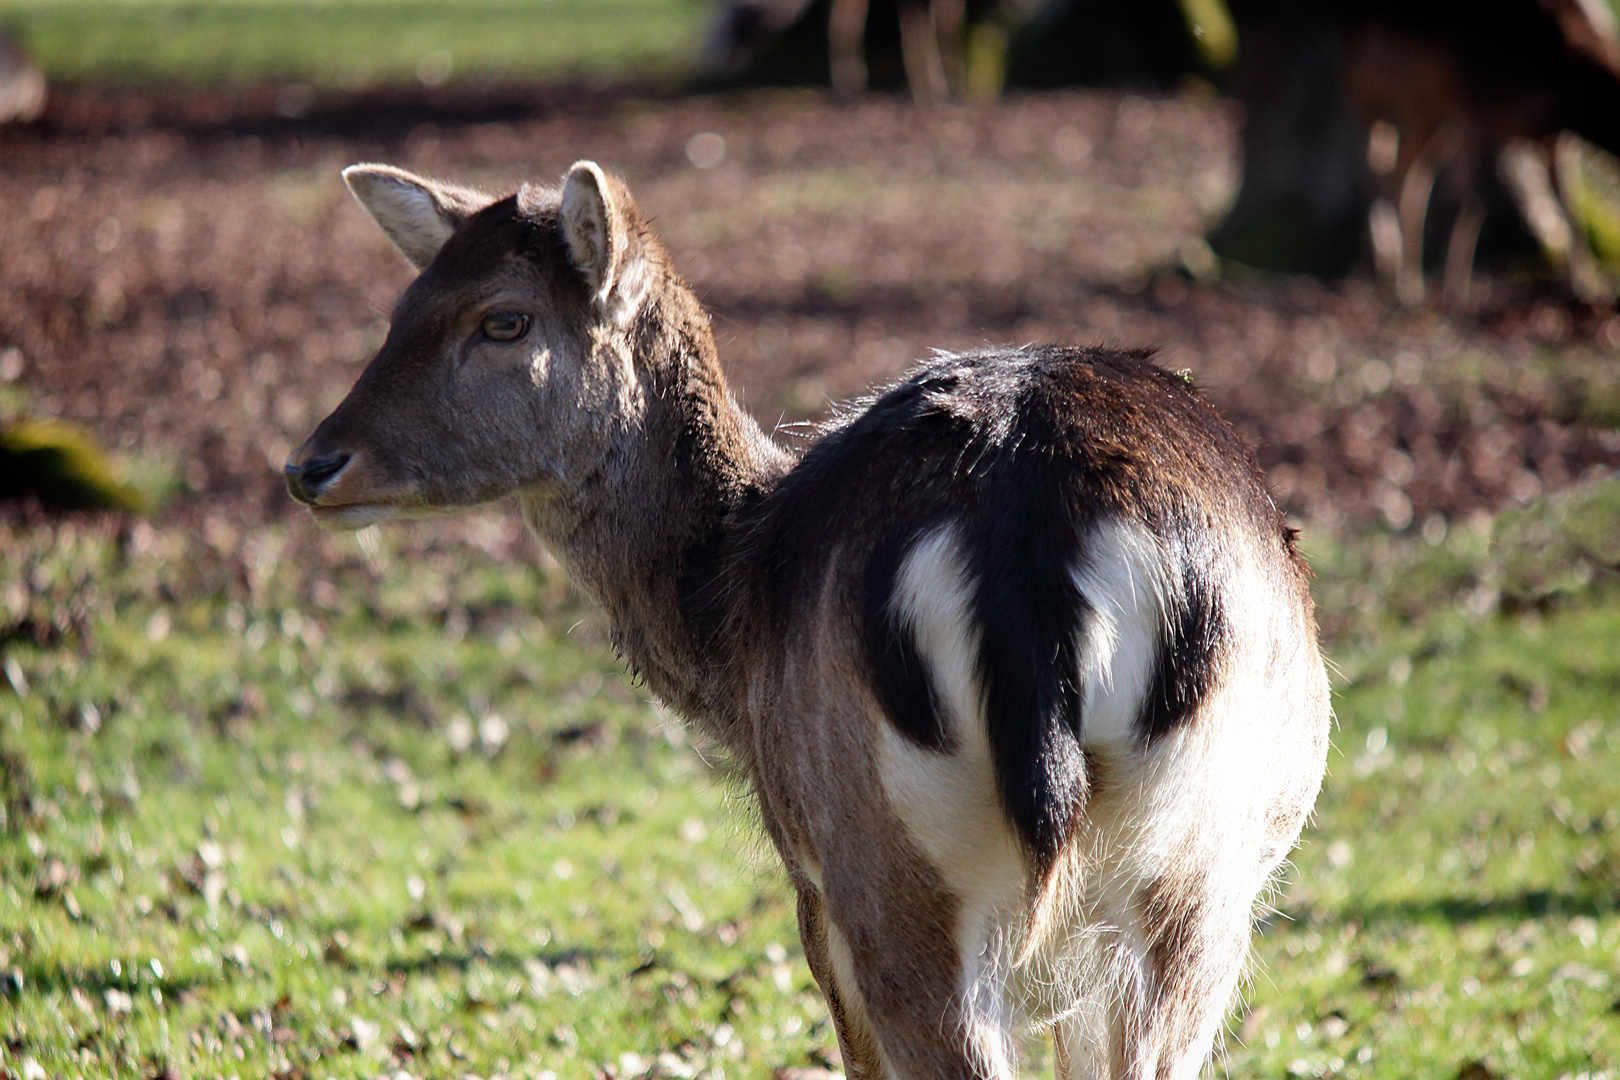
307	476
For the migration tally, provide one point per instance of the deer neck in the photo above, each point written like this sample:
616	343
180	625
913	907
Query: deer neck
655	518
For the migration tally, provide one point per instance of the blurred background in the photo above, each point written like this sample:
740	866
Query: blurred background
276	802
170	212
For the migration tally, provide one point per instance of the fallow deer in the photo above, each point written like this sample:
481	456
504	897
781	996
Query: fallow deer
1450	94
1019	659
933	38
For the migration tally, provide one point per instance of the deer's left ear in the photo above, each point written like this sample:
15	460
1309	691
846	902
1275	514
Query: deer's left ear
594	224
418	214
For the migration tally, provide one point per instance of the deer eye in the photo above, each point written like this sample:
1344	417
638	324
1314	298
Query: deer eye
505	325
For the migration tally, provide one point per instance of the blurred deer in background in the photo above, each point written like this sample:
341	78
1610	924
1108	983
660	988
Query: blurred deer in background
931	42
1019	660
1449	94
932	39
22	85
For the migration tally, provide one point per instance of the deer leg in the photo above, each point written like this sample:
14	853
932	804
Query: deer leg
857	1042
1088	1044
883	942
1586	279
1383	220
846	45
1384	226
1162	916
920	49
1169	966
1585	276
1195	939
1416	188
1541	188
1460	250
950	22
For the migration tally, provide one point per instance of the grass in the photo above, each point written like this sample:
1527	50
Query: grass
248	833
352	43
275	808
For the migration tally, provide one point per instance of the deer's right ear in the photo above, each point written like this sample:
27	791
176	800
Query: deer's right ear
417	214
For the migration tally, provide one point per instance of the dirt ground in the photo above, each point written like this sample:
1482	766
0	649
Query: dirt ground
185	274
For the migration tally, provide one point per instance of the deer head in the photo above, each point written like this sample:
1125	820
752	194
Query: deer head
508	365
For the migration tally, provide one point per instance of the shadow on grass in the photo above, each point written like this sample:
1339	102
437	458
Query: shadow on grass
282	111
61	978
1516	907
44	978
504	960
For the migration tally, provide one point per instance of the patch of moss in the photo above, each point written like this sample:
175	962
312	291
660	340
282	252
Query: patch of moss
61	465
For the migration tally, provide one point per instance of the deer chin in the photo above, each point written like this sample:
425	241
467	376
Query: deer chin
352	517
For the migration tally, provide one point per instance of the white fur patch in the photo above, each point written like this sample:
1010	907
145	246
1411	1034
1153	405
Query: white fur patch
933	596
1124	578
629	290
352	517
948	801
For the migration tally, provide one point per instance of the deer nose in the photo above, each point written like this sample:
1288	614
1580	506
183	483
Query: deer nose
305	479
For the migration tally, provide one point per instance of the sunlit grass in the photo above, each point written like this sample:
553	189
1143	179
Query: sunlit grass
351	43
246	834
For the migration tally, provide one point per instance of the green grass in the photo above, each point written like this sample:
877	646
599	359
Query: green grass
273	808
259	822
350	43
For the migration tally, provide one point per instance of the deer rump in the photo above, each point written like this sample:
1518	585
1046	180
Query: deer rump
1056	581
1006	480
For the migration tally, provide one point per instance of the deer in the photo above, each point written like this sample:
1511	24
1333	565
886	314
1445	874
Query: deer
933	38
1450	96
1018	659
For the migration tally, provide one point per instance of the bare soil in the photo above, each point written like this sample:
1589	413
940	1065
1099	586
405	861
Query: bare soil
185	274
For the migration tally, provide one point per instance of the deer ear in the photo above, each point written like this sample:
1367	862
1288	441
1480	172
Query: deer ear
417	214
593	226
